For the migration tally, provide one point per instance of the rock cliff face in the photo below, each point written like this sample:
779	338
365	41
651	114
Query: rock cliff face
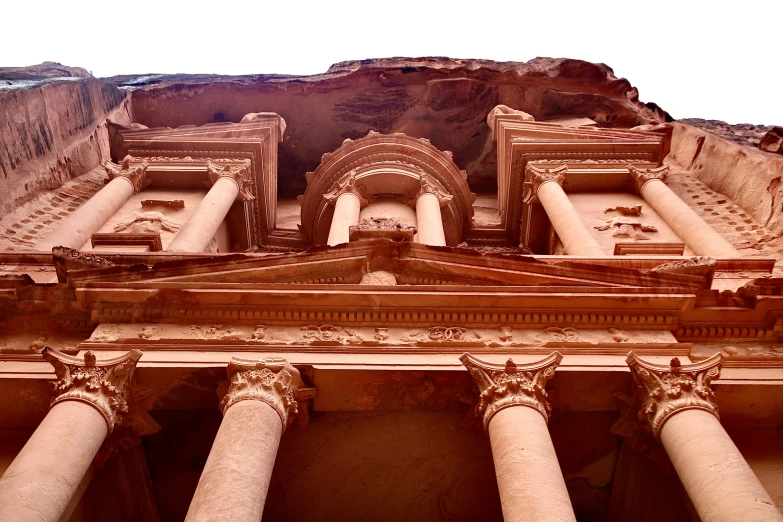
442	99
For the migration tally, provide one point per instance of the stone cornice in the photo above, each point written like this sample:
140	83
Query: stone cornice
239	174
641	177
272	381
104	385
135	174
511	385
668	390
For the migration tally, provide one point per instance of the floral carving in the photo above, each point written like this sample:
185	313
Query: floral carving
667	390
330	333
273	381
347	185
536	177
238	173
137	175
382	223
428	186
505	334
447	333
563	335
104	385
503	386
694	262
643	176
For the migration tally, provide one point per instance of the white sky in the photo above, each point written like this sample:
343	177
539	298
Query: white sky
713	60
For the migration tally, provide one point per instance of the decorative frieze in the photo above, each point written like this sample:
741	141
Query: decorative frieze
643	176
136	174
102	384
503	386
273	381
667	390
239	173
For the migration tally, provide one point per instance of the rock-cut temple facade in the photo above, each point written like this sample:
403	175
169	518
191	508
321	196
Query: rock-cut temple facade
412	290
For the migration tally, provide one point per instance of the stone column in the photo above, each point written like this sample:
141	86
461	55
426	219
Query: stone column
263	399
693	230
229	184
679	405
41	480
513	404
348	203
124	181
429	222
545	186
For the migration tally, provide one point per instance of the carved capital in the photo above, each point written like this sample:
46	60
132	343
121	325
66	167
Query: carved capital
535	177
136	174
511	385
643	176
429	187
667	390
102	384
237	173
347	185
273	381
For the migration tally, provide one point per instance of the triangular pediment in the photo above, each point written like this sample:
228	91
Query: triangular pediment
410	263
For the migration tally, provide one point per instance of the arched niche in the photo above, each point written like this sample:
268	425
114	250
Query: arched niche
388	169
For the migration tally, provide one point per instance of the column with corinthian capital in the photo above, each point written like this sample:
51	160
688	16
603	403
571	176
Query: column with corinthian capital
124	181
546	187
348	203
693	230
679	405
429	222
515	410
229	183
263	399
39	483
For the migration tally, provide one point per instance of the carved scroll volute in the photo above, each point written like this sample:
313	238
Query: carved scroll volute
535	177
273	381
511	385
238	173
667	390
102	384
346	185
643	176
137	174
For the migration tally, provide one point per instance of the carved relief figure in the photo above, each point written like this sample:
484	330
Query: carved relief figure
147	222
627	227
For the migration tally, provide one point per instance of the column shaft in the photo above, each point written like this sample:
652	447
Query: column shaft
39	483
530	482
719	482
694	231
235	480
198	231
572	231
346	214
429	222
77	228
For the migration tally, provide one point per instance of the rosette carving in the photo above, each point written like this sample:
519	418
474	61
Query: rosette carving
273	381
643	176
667	390
237	173
511	385
137	174
102	384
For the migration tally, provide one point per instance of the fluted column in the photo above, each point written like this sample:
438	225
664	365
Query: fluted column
229	184
515	410
39	483
348	203
679	405
693	230
429	221
545	186
263	399
124	181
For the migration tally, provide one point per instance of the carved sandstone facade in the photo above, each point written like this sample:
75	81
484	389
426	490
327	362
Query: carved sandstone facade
487	311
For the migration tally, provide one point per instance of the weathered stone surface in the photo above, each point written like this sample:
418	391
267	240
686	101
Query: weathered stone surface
772	141
741	133
443	99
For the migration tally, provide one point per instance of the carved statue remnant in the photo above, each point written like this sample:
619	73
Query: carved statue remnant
147	222
627	227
